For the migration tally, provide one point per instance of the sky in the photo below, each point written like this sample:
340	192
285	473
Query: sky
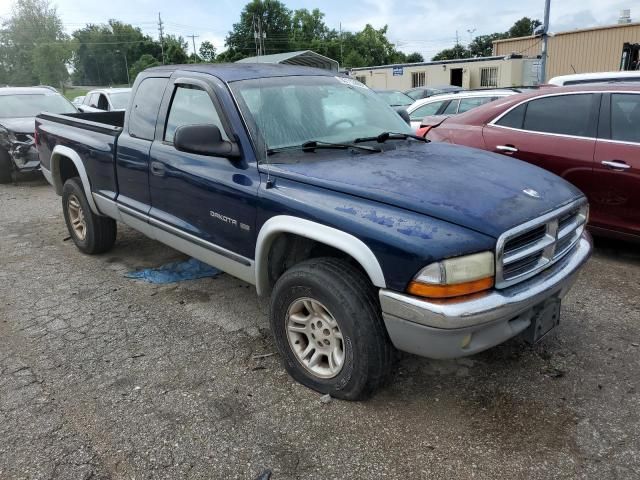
425	26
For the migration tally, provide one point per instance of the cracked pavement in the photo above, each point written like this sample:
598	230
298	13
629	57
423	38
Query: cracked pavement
103	377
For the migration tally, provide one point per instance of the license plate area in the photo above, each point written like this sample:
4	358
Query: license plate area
544	319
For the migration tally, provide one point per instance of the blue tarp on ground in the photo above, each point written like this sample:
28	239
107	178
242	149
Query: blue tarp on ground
175	272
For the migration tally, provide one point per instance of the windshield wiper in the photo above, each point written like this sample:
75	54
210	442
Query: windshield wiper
313	145
384	136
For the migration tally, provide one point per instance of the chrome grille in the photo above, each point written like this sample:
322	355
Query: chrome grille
530	248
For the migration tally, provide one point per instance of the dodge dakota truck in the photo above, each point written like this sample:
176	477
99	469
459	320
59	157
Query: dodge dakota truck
308	186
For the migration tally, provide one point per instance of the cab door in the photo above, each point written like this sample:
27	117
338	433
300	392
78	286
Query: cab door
616	200
210	198
554	132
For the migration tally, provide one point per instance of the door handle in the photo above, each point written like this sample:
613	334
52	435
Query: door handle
506	148
617	165
158	169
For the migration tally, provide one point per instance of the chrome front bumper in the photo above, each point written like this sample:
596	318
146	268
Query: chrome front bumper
456	329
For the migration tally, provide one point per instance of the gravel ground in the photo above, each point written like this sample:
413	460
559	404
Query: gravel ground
102	377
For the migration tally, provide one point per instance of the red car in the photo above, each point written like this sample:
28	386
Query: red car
588	135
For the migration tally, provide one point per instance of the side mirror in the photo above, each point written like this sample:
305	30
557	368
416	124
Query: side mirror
404	114
204	139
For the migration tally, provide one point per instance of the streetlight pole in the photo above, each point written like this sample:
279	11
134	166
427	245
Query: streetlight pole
126	66
545	39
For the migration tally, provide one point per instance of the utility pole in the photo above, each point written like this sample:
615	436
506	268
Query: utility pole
341	53
161	31
545	39
193	39
457	44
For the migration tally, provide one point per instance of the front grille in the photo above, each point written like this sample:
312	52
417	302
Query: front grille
530	248
24	137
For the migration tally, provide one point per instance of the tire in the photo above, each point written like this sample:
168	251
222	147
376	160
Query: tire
6	167
91	233
307	304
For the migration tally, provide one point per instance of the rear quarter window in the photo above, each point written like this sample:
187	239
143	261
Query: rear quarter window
144	111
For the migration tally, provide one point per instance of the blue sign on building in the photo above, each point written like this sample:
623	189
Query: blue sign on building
398	71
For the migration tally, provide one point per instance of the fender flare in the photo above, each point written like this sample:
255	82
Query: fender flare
60	151
333	237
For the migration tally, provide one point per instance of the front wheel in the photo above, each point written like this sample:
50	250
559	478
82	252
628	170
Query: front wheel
90	232
328	327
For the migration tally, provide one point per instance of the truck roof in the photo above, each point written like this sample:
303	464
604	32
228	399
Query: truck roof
231	72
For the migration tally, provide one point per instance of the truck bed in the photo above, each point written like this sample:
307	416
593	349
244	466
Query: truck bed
92	135
109	123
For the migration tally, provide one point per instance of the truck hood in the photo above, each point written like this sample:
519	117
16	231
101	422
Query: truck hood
19	125
472	188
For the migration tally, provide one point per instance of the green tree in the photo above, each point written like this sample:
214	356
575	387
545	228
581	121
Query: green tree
145	61
100	52
175	49
207	51
275	19
454	53
414	57
523	27
33	46
482	45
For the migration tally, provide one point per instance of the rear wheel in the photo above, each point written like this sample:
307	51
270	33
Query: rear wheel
90	232
6	167
326	319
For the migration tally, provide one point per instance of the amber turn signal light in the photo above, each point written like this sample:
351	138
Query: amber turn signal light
447	291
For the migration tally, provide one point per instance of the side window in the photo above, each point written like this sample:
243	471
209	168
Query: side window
625	117
93	99
428	109
452	108
144	112
103	103
467	104
191	106
563	114
515	118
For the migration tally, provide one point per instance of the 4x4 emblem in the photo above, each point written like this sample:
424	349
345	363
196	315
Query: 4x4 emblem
531	192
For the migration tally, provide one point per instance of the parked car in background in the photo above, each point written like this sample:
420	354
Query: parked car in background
395	98
442	106
589	135
424	92
106	100
77	101
18	108
599	77
309	186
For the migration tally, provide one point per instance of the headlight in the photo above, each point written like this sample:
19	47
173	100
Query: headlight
455	276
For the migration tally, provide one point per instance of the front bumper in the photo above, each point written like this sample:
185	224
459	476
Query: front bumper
457	329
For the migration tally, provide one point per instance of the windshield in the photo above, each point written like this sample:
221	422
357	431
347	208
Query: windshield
396	99
30	105
289	111
120	100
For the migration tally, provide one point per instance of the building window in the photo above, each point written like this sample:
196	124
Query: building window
362	79
418	79
489	77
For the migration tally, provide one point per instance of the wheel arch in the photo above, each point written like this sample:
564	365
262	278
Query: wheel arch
323	234
60	157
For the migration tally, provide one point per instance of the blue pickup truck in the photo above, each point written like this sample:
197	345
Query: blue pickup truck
308	186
